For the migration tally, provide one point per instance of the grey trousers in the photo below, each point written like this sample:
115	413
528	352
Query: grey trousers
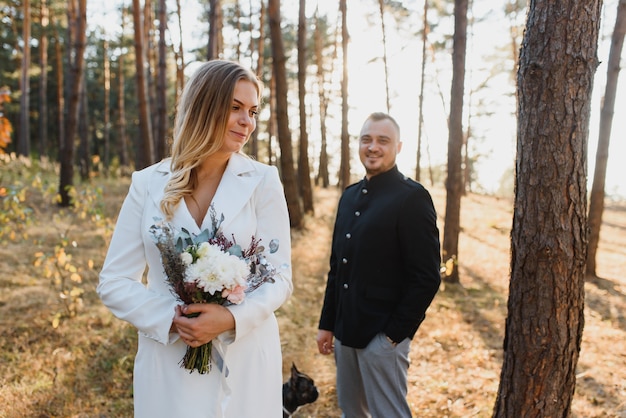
372	382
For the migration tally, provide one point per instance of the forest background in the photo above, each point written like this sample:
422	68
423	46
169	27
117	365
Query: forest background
379	68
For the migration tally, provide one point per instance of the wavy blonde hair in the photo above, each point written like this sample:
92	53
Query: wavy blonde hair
200	125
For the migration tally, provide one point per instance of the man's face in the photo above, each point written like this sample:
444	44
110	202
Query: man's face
378	146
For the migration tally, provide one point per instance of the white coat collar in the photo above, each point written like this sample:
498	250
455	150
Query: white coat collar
239	181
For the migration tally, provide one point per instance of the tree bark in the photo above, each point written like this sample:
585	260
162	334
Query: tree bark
84	154
549	236
146	154
282	117
304	171
43	80
381	8
323	175
106	134
179	53
420	118
77	28
23	143
121	104
161	91
454	181
60	90
344	167
596	202
214	46
253	144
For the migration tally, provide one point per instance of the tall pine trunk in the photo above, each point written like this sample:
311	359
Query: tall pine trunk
77	29
106	134
454	181
214	46
381	9
323	175
43	80
296	217
420	117
596	202
121	104
304	170
146	145
161	90
23	143
344	167
84	148
549	236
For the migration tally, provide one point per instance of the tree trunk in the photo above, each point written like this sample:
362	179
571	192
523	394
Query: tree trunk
596	202
146	154
214	47
454	181
549	237
344	167
180	54
43	80
106	134
238	31
77	28
161	99
254	139
84	154
261	41
323	176
271	122
381	7
304	171
23	143
150	56
282	117
420	118
121	104
60	81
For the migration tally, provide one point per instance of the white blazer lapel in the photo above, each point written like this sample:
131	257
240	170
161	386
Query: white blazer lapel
238	183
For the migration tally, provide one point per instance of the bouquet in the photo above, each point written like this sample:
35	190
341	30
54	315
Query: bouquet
210	268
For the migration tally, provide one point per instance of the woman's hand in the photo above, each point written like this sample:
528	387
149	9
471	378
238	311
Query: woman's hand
211	320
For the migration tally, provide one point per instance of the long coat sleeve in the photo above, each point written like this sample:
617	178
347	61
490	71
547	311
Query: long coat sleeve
133	286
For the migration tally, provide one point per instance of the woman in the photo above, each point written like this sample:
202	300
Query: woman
215	118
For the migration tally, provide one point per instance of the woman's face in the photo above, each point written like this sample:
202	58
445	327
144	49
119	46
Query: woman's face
242	119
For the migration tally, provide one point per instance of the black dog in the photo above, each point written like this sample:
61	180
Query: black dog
297	391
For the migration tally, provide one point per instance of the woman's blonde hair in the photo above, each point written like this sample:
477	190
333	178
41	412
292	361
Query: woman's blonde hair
200	125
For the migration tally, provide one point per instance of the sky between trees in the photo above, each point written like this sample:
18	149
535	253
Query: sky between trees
488	35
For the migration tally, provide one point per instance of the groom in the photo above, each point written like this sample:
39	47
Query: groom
384	273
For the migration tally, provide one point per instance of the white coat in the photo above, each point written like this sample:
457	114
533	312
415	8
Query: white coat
251	197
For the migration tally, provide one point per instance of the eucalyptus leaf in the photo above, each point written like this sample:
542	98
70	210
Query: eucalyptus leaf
236	250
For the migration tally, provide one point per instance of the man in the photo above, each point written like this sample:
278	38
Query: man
384	273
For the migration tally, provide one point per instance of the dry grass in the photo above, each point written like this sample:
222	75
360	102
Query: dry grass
83	368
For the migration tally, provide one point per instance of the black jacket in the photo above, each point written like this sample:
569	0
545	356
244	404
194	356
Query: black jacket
385	260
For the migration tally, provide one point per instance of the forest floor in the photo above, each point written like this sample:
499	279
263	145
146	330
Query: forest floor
69	357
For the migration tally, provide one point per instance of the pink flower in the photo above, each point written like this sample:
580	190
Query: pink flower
235	295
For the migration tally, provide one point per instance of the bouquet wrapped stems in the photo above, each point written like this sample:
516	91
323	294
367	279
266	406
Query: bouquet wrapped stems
198	358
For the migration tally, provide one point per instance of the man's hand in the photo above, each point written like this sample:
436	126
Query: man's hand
325	341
